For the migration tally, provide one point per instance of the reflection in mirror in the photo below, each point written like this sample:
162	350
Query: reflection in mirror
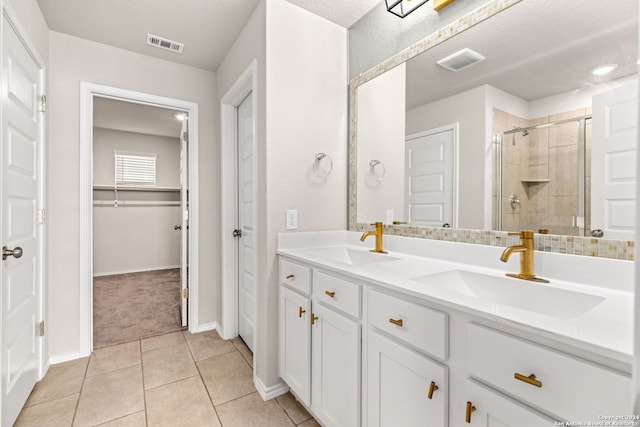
508	142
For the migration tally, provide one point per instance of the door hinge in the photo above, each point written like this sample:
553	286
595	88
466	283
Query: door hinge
237	233
43	103
41	329
185	293
41	216
185	136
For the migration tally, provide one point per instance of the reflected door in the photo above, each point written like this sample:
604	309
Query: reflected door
430	178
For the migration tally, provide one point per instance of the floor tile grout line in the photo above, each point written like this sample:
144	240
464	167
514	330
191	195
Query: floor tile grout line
84	379
144	393
206	389
171	382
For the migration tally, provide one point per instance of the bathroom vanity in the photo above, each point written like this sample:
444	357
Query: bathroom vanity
433	333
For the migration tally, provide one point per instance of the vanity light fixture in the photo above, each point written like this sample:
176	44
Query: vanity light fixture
603	70
403	8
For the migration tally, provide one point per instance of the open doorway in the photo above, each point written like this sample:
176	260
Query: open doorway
188	225
140	189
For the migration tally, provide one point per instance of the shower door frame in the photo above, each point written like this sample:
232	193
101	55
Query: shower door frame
579	219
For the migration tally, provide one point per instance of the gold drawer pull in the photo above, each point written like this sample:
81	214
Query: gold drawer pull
300	311
329	293
313	318
396	322
290	276
432	387
470	410
531	379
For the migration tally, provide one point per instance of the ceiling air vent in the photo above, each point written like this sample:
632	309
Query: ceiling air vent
163	43
461	59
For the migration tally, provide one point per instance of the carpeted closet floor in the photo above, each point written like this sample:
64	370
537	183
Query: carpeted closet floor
133	306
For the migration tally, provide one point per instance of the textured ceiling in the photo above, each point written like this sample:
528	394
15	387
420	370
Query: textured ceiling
534	52
208	28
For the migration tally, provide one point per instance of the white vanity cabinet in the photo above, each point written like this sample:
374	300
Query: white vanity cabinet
418	362
320	342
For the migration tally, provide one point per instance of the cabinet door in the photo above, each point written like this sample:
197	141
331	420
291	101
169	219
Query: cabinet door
295	343
335	368
399	381
492	409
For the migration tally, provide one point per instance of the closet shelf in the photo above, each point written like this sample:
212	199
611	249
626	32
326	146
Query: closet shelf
113	187
534	180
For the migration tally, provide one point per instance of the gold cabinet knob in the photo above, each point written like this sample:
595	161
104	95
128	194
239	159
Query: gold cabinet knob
470	410
330	294
300	311
290	276
432	387
531	379
313	318
397	322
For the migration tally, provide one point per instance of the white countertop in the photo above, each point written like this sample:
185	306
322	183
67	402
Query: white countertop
606	329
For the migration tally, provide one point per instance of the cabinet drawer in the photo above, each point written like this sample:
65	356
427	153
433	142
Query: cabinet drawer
295	275
419	326
336	292
493	408
571	388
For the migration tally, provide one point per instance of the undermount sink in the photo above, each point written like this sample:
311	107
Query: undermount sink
349	256
530	296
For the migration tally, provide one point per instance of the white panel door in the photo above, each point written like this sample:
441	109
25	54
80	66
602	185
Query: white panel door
399	383
613	161
246	222
21	91
335	368
295	343
184	222
430	177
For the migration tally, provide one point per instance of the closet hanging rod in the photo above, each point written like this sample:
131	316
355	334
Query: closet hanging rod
545	125
119	188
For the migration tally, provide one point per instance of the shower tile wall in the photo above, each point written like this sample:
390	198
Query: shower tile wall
549	153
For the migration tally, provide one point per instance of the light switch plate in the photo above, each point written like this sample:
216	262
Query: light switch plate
292	219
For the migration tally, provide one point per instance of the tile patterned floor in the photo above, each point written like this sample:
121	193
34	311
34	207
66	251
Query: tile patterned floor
178	379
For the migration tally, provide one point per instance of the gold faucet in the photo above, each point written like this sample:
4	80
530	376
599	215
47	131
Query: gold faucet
378	233
526	256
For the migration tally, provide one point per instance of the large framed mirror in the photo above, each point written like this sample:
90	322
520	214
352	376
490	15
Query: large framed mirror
504	121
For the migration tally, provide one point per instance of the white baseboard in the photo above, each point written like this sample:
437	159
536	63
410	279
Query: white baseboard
204	327
268	393
65	357
137	270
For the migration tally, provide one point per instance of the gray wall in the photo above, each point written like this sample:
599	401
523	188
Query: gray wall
379	34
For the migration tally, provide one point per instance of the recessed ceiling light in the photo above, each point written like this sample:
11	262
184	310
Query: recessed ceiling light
604	69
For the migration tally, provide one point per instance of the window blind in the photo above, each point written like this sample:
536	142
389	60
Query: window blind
135	169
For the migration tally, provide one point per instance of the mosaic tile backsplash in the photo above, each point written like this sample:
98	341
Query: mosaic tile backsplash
586	246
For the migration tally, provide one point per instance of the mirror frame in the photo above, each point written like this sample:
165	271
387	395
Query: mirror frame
576	245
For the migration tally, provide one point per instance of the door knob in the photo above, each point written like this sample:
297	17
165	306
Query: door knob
177	227
16	253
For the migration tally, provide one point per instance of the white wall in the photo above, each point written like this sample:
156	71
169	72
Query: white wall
73	60
468	109
381	136
306	114
302	110
135	238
